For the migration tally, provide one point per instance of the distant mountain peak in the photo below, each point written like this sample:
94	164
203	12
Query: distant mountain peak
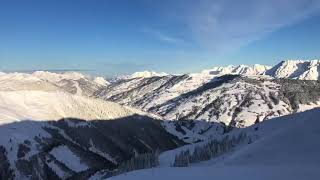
247	70
296	69
146	74
55	77
101	81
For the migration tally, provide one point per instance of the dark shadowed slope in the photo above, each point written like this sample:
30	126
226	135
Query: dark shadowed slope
77	148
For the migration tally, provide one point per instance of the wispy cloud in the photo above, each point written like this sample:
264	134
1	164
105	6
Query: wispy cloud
162	36
223	25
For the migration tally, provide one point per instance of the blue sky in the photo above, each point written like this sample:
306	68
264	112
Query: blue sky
112	37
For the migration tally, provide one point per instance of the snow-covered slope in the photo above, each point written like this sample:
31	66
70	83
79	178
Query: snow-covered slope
73	82
47	131
41	105
283	148
22	81
55	134
225	173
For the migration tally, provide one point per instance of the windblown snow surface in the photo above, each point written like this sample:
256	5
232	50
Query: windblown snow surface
283	148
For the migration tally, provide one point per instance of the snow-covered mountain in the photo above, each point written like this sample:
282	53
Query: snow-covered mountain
281	148
296	69
237	96
71	82
68	125
231	99
175	84
142	74
56	77
101	80
256	69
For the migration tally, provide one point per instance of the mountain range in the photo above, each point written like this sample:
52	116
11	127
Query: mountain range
234	96
73	126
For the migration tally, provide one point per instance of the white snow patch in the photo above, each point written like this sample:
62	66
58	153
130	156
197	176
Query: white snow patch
67	157
101	81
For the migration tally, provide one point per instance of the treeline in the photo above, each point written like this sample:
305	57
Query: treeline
5	171
204	152
208	151
141	161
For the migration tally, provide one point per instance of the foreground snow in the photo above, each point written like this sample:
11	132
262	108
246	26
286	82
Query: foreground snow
283	148
225	173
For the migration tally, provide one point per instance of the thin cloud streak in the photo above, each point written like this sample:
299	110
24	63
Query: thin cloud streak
162	36
227	25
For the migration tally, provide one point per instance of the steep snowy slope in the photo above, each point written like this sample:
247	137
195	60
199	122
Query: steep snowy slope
283	148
